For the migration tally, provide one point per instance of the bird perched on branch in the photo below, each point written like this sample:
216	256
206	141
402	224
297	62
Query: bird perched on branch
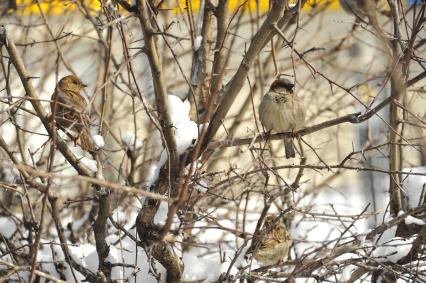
360	8
272	243
281	110
68	105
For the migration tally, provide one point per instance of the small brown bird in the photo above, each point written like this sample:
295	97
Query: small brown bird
359	7
281	110
68	105
273	242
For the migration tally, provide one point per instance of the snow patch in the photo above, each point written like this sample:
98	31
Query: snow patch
414	184
7	227
128	138
186	134
393	250
216	267
197	42
78	152
78	223
9	175
387	234
196	267
91	164
99	141
414	220
178	109
411	219
160	217
202	187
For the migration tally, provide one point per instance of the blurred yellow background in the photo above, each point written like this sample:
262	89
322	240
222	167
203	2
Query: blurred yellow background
61	6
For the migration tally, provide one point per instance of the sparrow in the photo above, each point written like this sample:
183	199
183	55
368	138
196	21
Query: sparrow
281	110
68	105
358	7
272	243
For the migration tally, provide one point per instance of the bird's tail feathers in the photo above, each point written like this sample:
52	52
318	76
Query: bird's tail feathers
289	148
86	141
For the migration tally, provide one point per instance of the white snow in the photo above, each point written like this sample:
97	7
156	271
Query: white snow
186	134
86	255
7	227
128	255
347	272
99	141
91	164
178	109
45	257
120	216
161	215
197	42
393	250
387	235
411	219
89	258
207	236
196	267
225	266
78	152
202	187
216	267
152	175
8	133
114	256
128	138
9	175
414	184
78	223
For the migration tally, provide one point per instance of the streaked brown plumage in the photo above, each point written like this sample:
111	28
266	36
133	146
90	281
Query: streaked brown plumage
281	110
68	105
273	242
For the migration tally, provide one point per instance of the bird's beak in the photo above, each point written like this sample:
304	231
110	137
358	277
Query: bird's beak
84	85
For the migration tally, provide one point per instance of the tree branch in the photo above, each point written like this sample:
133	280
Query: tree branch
35	101
160	89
